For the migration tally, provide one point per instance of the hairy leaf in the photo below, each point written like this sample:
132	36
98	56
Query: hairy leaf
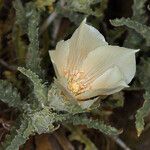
36	122
43	120
40	90
28	19
138	27
9	94
139	11
142	113
59	103
77	10
96	124
83	6
144	75
20	15
18	136
73	16
133	38
33	57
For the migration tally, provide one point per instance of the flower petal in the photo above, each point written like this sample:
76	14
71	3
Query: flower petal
108	83
59	57
92	93
110	79
105	57
85	39
88	103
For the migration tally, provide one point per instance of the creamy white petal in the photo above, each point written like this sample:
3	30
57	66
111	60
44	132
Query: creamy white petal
105	57
56	70
108	83
109	79
85	39
88	103
59	57
92	93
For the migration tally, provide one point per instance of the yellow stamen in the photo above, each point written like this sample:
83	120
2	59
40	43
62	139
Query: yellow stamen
75	81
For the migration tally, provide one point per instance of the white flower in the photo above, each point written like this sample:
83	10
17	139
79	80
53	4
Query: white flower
86	66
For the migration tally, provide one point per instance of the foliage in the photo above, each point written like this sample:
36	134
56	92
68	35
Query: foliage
44	109
18	136
28	19
9	94
42	119
33	58
83	6
20	15
138	27
139	11
96	124
137	22
57	102
142	113
77	10
133	39
144	71
40	90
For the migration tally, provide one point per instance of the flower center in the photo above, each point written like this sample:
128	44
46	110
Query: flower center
74	86
75	82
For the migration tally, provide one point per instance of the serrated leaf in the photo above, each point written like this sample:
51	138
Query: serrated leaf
40	90
33	57
138	27
142	113
73	16
96	124
18	136
60	103
134	39
77	10
36	122
9	94
43	120
20	15
82	6
139	11
28	19
144	76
